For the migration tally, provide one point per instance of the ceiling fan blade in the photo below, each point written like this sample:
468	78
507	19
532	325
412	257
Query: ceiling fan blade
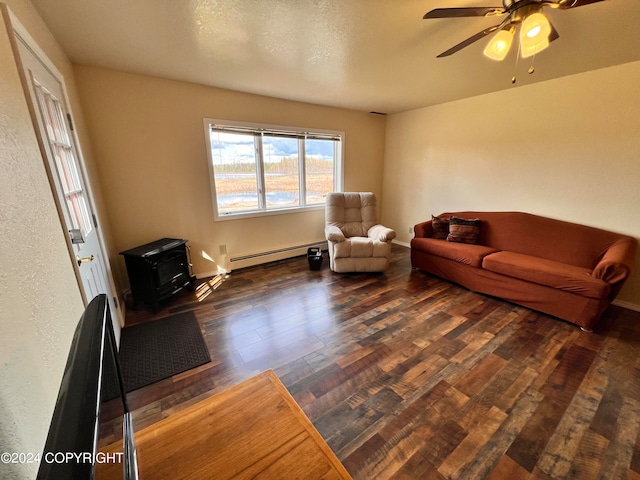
464	12
567	4
554	35
469	41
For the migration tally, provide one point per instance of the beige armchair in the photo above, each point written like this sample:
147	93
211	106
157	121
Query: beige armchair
357	242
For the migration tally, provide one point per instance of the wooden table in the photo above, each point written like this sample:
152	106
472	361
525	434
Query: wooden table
252	430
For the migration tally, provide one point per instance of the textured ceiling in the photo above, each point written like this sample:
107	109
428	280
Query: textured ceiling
370	55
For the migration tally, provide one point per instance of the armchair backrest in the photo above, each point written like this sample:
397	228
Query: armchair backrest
352	212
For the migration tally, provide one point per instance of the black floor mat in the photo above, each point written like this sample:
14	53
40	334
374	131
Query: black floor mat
158	349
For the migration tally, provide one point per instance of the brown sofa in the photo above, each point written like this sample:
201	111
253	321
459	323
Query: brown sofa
563	269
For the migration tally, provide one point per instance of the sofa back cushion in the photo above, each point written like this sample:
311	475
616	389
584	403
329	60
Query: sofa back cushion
543	237
352	212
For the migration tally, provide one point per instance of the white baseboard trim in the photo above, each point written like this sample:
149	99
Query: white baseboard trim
214	273
398	242
628	305
259	258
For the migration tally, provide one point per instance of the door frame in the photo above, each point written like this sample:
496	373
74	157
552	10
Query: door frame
15	28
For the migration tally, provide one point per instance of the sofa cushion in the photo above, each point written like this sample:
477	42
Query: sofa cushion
471	255
462	230
565	277
440	226
543	237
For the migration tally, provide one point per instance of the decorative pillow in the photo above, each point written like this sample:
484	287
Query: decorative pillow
440	227
463	230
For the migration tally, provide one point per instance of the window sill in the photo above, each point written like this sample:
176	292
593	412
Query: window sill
267	213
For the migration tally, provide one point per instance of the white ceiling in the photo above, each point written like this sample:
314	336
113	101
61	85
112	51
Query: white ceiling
370	55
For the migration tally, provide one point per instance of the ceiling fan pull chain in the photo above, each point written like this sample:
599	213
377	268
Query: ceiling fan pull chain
533	61
513	79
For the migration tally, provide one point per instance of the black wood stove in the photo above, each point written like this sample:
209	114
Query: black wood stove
158	270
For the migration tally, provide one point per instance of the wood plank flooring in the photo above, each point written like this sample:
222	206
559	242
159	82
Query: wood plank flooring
253	430
407	376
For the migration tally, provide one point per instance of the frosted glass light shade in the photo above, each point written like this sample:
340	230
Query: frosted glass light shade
528	51
534	34
499	45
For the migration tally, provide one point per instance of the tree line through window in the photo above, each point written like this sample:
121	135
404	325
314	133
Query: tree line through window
262	170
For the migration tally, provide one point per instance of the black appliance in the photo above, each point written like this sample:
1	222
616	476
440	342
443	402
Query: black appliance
158	270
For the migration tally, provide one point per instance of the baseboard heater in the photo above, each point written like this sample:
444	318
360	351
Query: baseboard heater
250	259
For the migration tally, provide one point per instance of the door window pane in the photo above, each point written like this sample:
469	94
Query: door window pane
67	169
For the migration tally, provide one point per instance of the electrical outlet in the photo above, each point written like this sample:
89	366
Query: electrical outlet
410	229
223	249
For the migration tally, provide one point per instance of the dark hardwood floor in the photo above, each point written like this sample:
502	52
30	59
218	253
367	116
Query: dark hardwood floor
409	376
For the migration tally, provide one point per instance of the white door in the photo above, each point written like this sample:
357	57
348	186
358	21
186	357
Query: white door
55	130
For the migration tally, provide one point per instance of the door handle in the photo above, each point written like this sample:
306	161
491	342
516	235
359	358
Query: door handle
84	259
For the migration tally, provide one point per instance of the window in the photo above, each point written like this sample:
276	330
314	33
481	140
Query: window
267	169
65	158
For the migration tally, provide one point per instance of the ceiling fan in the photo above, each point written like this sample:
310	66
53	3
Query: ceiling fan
536	31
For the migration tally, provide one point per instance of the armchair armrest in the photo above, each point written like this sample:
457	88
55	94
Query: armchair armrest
381	233
423	230
615	265
334	234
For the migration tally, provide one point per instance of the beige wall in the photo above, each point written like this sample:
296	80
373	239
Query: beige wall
148	139
40	301
567	148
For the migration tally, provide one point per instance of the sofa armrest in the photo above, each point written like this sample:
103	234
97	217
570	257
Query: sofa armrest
381	233
423	230
334	234
615	265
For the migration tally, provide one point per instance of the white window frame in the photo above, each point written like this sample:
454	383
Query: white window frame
256	128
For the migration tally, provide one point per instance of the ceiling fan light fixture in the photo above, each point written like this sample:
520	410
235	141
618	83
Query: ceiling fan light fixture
534	34
529	51
499	46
